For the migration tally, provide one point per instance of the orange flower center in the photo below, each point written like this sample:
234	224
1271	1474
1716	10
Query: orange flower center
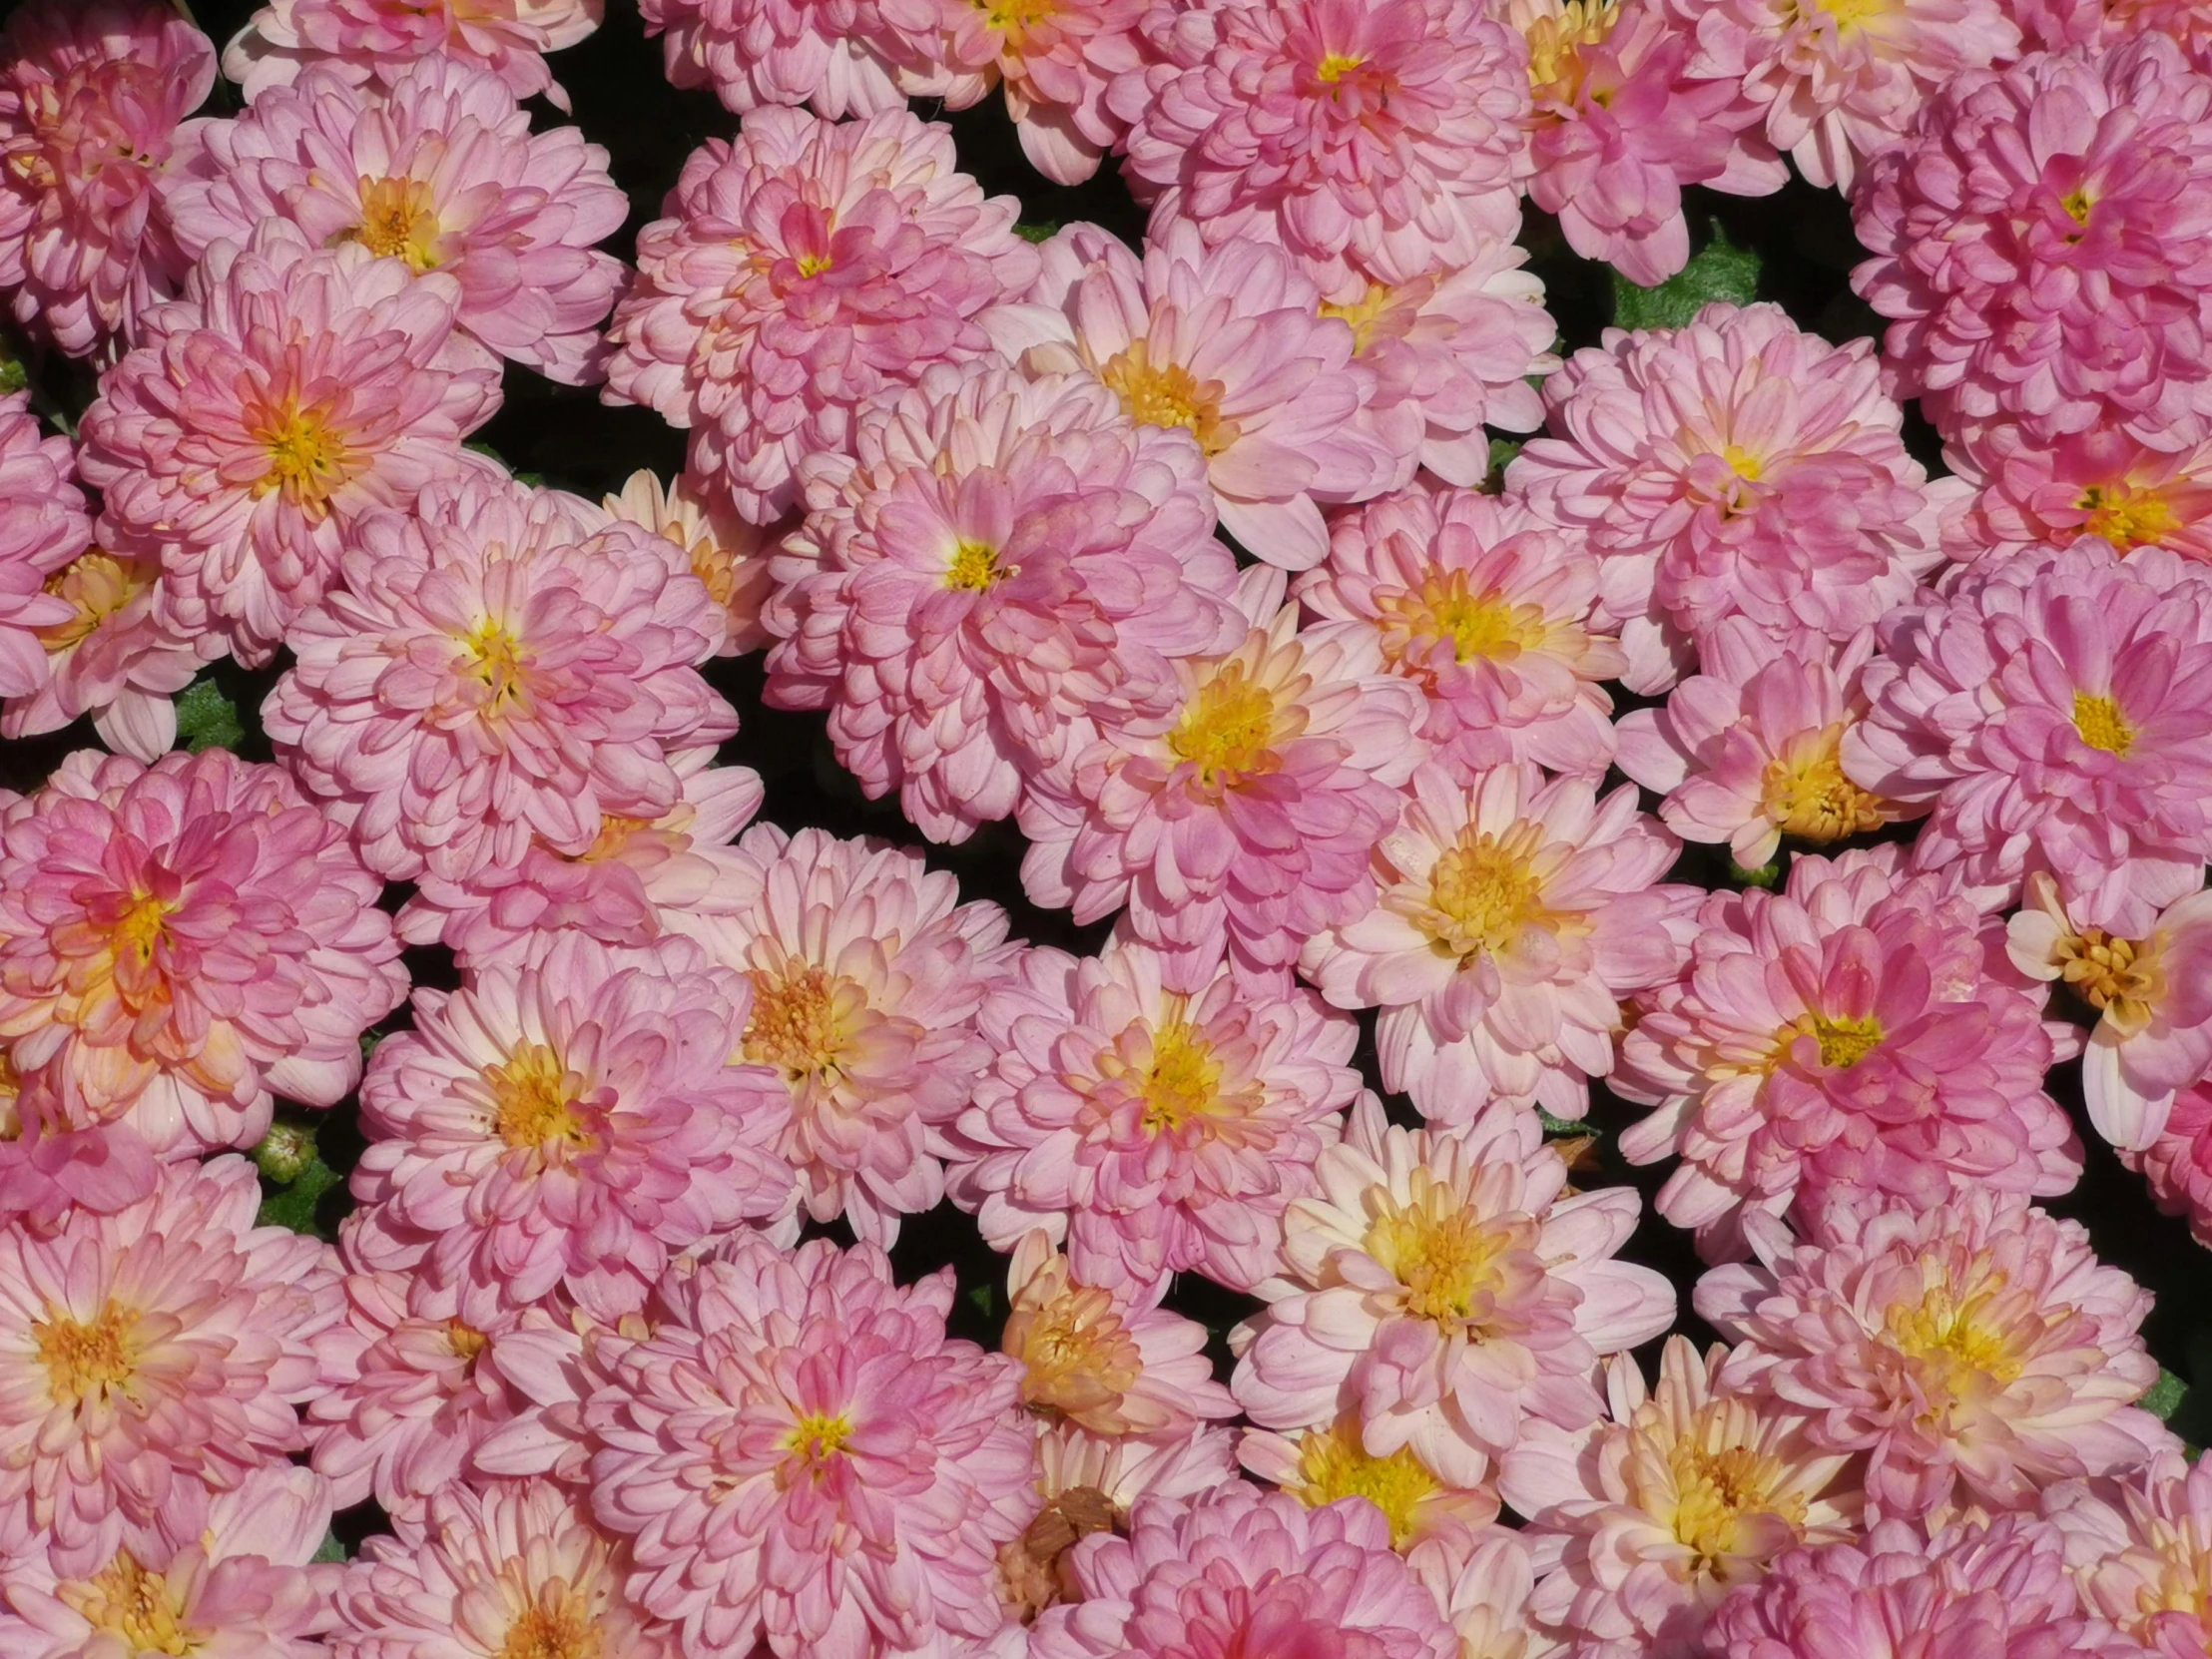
2127	517
397	222
799	1021
1803	790
1334	1465
133	1606
558	1625
1556	44
1450	1261
308	459
98	585
534	1101
1227	728
1078	1357
81	1359
1168	394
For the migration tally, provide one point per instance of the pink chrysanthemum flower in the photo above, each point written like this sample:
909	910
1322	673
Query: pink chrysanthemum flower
1231	345
1243	819
1751	749
515	1568
153	1357
1158	1131
1323	1463
503	667
2178	1163
1738	465
1512	916
1848	1032
2041	241
246	1582
1642	1522
2106	24
866	975
43	527
443	171
624	890
996	564
1443	1289
1241	1571
1974	1350
378	41
836	54
288	391
1486	1596
2052	712
1488	609
178	942
803	269
856	1470
91	94
1386	132
2142	1555
2102	482
568	1126
726	552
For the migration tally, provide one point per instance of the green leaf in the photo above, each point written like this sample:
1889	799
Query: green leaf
329	1549
287	1152
13	376
2165	1396
1037	233
1766	876
1502	451
293	1207
1560	1126
985	1298
1721	272
206	718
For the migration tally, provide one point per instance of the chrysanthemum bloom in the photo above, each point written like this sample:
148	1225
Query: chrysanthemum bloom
1642	1522
866	974
2106	24
1512	916
1974	1350
287	393
803	269
570	1125
2102	482
1487	608
1158	1131
1616	130
503	667
994	565
153	1357
622	891
1486	1596
1379	130
798	1452
2041	239
2154	996
2052	712
1327	1463
2142	1555
1751	749
443	171
1848	1032
410	1389
2178	1163
1244	818
1102	1361
836	54
1241	1571
1738	465
43	526
727	552
517	1567
244	1582
377	41
1231	345
91	93
178	942
1443	1289
2000	1588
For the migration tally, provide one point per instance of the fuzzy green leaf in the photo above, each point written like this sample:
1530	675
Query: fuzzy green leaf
1721	271
293	1206
2165	1396
206	718
1037	233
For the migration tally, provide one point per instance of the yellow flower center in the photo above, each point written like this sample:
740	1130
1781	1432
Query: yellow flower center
974	568
2117	976
1363	314
1718	1489
1332	1465
615	836
142	928
2078	203
1803	790
534	1101
1852	14
2101	725
1182	1081
500	662
2126	517
1015	18
2179	1582
1484	625
1955	1345
797	1024
1226	729
397	222
1335	66
1742	462
465	1341
814	265
85	1360
307	460
1077	1355
1483	890
1846	1041
98	585
814	1441
559	1625
1168	394
134	1607
1450	1261
1555	45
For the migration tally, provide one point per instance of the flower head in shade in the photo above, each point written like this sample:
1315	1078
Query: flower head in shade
1326	1462
1854	1031
1643	1522
1382	131
1512	916
2178	1163
856	1470
867	973
803	269
504	667
1974	1350
2101	482
727	553
378	41
1159	1130
996	564
1231	345
567	1126
441	171
1240	1571
836	54
1751	749
91	94
2052	712
512	1568
244	1581
2152	995
2142	1554
1443	1290
1488	609
1736	465
290	390
1243	819
153	1359
43	527
178	942
2039	239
